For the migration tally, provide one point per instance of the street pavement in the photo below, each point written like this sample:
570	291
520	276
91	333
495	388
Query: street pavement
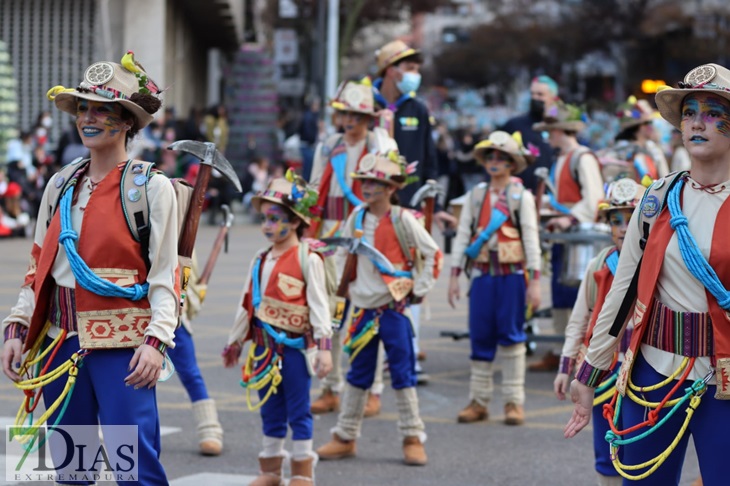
480	454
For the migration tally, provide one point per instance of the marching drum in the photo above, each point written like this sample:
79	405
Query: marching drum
582	243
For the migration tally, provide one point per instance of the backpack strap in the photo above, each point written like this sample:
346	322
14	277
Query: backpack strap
575	156
592	289
304	260
135	176
514	202
477	203
404	237
651	206
60	183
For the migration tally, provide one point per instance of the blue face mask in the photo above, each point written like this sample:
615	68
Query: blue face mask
410	82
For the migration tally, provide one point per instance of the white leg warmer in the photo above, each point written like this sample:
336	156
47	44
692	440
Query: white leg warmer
206	420
273	447
302	449
513	373
409	419
352	408
416	321
481	384
377	388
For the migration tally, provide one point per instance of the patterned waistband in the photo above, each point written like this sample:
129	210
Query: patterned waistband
335	208
399	307
62	311
683	333
261	338
496	269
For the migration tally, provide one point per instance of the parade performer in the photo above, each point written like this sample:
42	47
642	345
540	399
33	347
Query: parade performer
395	89
576	177
671	285
635	140
104	308
622	197
285	314
336	159
384	284
497	243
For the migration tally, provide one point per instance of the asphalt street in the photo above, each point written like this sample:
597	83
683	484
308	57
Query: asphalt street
483	454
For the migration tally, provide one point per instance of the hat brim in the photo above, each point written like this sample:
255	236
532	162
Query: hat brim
343	108
67	101
568	126
607	210
625	125
373	177
414	53
257	200
669	102
519	161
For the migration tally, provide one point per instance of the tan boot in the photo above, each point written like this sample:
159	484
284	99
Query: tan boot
414	454
210	432
270	474
372	407
302	472
327	402
474	412
549	362
337	448
421	356
514	414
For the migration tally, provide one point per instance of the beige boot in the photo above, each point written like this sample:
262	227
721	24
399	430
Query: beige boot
327	402
271	472
372	407
302	472
337	448
210	432
474	412
414	454
514	414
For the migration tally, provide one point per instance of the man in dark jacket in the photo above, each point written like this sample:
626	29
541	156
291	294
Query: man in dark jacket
543	95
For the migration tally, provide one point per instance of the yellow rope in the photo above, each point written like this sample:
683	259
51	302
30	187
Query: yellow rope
273	378
647	404
42	380
363	341
604	397
56	90
661	458
669	379
22	415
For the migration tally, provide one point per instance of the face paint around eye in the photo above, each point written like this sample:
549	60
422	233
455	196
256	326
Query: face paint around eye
276	224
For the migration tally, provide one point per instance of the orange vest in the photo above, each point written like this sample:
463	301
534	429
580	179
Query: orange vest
651	168
107	246
509	244
568	189
284	300
604	280
651	265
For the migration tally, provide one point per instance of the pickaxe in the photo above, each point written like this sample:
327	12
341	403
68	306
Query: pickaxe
355	246
221	242
210	158
427	193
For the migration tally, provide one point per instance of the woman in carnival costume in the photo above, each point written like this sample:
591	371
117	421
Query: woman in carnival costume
104	309
674	378
622	197
285	314
497	243
379	299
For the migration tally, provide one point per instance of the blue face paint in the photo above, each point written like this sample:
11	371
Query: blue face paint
276	224
712	111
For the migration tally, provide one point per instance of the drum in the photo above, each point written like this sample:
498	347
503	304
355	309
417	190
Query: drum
582	243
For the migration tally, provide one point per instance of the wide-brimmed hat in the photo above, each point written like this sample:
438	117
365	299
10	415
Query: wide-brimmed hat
355	97
708	78
390	168
293	193
633	113
621	194
510	145
392	52
562	116
127	84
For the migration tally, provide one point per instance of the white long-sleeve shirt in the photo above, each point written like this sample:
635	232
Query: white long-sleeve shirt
676	288
317	299
162	255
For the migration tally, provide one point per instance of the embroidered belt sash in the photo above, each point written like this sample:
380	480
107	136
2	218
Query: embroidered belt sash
683	333
496	269
62	309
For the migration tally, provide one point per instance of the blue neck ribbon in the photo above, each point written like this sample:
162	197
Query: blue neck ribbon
359	226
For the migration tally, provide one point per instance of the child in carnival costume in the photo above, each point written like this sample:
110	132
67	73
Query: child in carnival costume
497	244
622	197
379	297
285	314
105	309
576	176
671	284
635	140
336	159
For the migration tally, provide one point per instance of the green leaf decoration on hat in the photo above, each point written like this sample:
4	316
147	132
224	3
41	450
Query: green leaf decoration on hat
303	196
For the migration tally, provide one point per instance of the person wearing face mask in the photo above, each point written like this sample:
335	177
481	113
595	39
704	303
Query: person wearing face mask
335	160
622	197
285	314
543	95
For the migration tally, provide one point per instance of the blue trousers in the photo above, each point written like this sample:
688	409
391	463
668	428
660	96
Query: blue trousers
396	332
290	404
564	297
186	366
101	397
601	449
496	314
709	428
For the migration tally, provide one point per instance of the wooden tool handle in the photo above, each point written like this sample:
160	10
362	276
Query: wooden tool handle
350	265
539	192
213	258
192	218
429	205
